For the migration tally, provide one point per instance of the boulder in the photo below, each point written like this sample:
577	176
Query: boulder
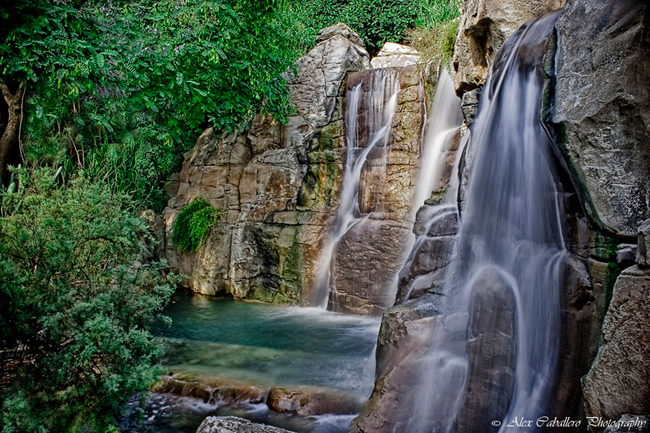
618	382
601	109
232	424
484	26
395	55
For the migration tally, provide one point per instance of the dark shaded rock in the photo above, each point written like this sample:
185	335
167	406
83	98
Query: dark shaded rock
426	267
232	424
619	380
602	108
626	254
630	424
470	106
643	251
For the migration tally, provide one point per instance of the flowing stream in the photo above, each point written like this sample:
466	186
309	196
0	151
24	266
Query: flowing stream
379	107
494	350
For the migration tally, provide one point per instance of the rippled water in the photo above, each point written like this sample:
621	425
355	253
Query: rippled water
266	345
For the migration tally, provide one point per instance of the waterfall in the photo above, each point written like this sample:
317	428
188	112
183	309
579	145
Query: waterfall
444	120
494	349
377	104
436	174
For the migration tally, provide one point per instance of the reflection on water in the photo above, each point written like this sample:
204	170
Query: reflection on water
266	345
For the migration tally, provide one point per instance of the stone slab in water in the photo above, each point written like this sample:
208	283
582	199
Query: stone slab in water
231	424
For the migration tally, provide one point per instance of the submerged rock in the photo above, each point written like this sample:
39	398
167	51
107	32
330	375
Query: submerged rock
617	383
307	401
213	391
232	424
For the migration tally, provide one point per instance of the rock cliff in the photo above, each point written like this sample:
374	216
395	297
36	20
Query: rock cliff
277	184
279	187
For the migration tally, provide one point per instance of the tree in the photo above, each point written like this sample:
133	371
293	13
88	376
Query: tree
77	296
121	89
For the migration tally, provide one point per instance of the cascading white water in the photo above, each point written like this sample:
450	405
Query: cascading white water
495	347
443	126
380	105
444	120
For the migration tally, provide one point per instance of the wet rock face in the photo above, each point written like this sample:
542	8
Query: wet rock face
602	107
484	26
403	340
369	255
491	351
617	383
435	230
277	184
232	424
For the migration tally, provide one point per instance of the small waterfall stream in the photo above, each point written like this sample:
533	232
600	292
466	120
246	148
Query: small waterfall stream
444	122
379	107
494	349
437	175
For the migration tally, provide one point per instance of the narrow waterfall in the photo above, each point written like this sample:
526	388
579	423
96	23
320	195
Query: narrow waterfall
435	177
444	120
378	104
494	349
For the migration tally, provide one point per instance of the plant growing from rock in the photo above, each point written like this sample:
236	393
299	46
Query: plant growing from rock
193	225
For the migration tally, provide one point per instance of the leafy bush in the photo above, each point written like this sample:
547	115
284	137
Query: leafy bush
193	224
76	300
121	89
376	21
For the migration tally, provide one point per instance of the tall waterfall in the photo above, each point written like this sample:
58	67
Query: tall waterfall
378	105
494	350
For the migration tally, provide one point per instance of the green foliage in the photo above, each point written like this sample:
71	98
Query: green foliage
436	43
193	224
122	89
437	27
77	296
433	13
379	21
376	21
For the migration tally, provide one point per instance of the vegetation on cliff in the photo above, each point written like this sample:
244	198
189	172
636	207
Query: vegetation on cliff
193	224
